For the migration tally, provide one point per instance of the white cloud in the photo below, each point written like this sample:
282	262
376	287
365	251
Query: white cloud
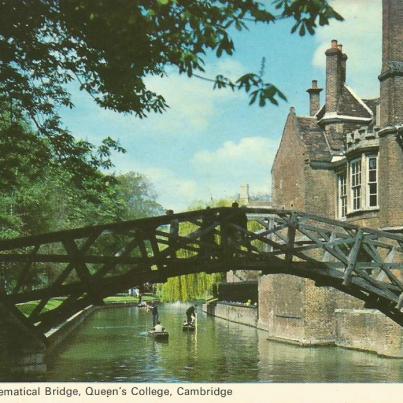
192	102
213	174
233	164
171	187
361	36
193	105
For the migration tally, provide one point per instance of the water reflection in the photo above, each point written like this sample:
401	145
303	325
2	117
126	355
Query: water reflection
113	346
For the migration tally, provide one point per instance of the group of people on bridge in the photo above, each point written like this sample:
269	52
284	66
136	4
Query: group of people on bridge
233	231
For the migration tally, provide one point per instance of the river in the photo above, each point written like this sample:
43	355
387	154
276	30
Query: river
112	345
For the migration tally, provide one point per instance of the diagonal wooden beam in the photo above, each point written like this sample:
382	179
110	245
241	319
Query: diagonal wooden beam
338	255
25	271
59	280
82	269
352	258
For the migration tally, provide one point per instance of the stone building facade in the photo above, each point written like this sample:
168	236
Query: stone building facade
344	161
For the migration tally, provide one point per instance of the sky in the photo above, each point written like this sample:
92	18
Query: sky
210	142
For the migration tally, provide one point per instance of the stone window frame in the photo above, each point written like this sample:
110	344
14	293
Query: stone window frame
342	195
355	173
369	182
365	192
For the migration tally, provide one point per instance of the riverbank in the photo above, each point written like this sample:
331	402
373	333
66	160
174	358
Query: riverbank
355	329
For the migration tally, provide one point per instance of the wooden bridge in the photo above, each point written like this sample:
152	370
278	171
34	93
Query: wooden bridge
83	266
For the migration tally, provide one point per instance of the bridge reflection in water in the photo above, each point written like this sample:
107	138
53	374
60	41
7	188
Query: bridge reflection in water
112	346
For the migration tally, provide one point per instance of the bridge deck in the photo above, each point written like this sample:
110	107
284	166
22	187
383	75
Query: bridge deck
82	266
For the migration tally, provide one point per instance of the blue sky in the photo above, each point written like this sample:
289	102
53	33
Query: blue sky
210	141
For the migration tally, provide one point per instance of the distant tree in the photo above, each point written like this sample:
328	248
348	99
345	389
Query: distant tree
136	197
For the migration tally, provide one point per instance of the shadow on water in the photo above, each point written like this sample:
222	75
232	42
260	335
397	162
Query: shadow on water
113	345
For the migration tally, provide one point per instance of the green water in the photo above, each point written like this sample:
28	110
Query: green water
112	345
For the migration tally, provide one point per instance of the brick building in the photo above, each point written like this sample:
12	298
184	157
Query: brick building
344	161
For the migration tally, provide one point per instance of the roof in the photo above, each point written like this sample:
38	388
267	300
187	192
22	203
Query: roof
313	137
352	105
372	104
321	145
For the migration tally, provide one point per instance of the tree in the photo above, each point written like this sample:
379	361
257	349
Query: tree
136	197
111	46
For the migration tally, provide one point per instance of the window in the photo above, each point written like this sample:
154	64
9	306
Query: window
372	181
355	169
342	191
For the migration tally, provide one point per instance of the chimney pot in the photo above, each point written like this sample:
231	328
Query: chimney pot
334	43
314	83
340	47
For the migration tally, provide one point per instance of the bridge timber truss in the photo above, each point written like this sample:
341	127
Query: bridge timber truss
82	266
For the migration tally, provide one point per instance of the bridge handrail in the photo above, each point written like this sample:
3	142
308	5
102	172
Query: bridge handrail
152	222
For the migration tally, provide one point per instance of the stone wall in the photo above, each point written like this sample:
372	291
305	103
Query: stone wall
57	335
294	309
244	315
368	330
281	306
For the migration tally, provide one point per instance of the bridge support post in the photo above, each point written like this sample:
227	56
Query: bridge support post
22	351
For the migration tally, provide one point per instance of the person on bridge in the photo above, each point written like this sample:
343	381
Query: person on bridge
207	236
234	231
173	233
191	315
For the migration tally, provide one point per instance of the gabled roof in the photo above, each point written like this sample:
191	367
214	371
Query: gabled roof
351	104
350	107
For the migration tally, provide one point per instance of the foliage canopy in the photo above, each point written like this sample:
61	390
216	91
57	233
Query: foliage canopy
111	46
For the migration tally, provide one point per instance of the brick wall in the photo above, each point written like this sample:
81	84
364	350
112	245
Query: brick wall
391	181
288	169
320	192
392	85
390	152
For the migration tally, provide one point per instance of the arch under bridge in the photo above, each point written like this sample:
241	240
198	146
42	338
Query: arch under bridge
82	266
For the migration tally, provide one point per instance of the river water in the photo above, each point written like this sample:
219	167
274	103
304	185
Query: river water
112	345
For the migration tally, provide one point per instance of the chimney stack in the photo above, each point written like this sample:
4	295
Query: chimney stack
391	77
334	76
314	98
